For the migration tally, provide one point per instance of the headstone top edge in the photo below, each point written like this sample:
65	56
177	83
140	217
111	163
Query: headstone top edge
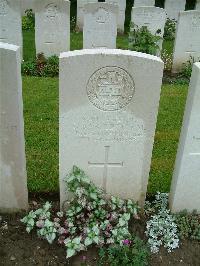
148	8
197	64
101	4
189	12
109	52
8	46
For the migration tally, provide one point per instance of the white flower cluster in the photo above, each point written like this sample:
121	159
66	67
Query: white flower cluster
161	229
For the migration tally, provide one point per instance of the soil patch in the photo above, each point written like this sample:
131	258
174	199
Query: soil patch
19	248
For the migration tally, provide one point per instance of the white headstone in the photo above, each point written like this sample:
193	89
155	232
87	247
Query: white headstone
187	41
81	11
52	27
108	118
173	7
197	7
121	4
100	26
13	181
10	22
185	188
153	18
138	3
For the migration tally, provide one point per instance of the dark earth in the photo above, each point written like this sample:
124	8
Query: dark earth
19	248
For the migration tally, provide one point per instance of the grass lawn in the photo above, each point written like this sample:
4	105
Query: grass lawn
41	125
41	131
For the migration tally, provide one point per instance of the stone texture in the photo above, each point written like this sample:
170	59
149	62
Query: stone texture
28	4
138	3
108	117
187	41
197	7
152	17
81	11
13	181
121	4
10	22
100	26
173	7
185	188
52	27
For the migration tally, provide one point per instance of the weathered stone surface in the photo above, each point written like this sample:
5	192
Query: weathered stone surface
174	7
100	26
28	4
187	41
81	11
10	22
138	3
13	181
185	188
121	4
108	117
153	18
197	7
52	27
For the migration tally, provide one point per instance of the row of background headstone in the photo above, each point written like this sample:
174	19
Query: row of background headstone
190	5
47	32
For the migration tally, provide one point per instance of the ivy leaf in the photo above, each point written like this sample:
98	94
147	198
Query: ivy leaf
70	252
31	222
88	241
121	222
93	196
96	239
50	238
28	229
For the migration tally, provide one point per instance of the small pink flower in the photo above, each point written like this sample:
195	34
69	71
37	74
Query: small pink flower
107	234
109	227
84	258
57	225
62	231
57	220
40	224
61	240
66	223
126	242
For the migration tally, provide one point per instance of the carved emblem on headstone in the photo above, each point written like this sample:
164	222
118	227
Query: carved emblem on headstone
51	11
3	7
102	15
110	88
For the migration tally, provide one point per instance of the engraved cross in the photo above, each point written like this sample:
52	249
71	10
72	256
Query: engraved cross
105	165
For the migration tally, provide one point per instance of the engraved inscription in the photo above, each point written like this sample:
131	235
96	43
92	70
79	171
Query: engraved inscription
108	127
3	7
196	21
101	16
51	11
3	34
110	88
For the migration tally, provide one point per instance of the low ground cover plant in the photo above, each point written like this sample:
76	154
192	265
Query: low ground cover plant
28	21
41	66
188	225
161	228
133	252
91	218
141	40
170	29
